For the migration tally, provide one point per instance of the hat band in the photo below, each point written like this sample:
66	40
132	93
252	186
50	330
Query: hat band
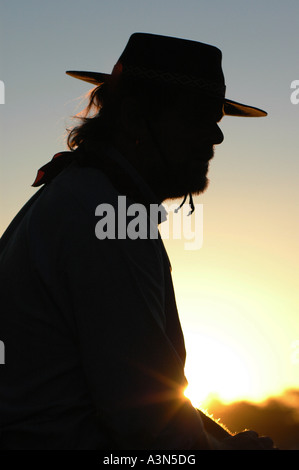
174	78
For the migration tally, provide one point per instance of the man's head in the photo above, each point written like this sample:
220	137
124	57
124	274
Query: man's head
161	107
171	142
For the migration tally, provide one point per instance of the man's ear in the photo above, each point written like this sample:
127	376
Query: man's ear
132	118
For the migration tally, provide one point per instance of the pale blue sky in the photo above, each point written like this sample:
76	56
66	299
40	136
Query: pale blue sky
251	206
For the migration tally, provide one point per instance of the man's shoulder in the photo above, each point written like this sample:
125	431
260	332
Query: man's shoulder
83	188
84	199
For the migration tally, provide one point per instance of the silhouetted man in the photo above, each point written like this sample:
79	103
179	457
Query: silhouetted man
94	349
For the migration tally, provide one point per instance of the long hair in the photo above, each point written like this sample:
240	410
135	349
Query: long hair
93	119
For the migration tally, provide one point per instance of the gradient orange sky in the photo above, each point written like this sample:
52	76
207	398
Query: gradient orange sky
238	294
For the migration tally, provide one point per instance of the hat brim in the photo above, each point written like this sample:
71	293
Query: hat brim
95	78
230	108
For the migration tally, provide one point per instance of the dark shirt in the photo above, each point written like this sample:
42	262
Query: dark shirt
94	352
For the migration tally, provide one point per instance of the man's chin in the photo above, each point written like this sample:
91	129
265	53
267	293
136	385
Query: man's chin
186	187
199	187
202	189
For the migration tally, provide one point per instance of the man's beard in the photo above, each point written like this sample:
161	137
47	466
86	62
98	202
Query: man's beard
177	179
195	184
190	178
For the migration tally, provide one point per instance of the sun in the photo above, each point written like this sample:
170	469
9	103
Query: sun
222	371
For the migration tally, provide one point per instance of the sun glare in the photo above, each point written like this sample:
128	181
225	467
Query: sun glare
223	372
232	334
219	368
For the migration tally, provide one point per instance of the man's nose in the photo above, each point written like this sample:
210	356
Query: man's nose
214	134
218	136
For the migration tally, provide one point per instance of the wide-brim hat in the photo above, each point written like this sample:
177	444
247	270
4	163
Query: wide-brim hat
166	60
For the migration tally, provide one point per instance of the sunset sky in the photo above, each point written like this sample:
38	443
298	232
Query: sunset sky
238	294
